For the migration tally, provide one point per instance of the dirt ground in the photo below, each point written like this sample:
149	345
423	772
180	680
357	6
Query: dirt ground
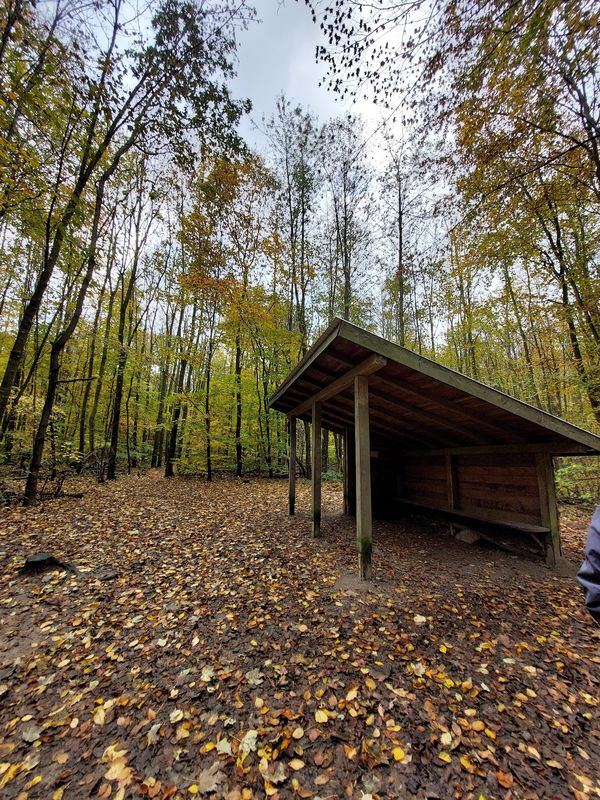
210	647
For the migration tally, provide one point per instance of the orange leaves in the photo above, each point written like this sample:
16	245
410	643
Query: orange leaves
505	779
350	752
207	285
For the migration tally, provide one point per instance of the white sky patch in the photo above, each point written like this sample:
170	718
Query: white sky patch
277	55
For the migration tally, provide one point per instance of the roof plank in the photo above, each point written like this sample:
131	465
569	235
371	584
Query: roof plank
367	367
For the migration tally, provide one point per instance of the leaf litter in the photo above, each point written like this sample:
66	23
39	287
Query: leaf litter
233	656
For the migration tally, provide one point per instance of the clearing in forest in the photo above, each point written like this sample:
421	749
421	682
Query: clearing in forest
211	647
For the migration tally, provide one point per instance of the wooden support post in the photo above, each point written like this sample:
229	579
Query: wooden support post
292	466
452	486
345	468
316	470
364	522
548	509
451	482
351	465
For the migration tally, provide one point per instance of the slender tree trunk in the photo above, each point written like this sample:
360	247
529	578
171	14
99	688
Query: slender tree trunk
126	297
524	340
307	449
172	443
269	450
52	254
325	449
592	389
30	497
136	418
177	387
111	467
400	268
238	405
59	345
207	426
101	371
89	373
159	433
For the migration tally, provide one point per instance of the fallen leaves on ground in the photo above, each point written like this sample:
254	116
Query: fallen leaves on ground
230	655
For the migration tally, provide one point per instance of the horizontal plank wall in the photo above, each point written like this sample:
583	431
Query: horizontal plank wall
422	480
502	488
506	485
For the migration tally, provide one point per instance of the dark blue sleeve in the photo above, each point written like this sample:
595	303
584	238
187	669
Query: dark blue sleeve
589	574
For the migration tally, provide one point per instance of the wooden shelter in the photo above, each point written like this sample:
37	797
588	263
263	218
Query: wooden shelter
420	435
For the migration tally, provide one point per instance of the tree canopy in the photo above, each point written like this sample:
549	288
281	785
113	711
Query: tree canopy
159	278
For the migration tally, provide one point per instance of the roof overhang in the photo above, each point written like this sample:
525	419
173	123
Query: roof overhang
417	403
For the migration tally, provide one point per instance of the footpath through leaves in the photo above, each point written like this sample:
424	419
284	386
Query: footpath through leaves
209	647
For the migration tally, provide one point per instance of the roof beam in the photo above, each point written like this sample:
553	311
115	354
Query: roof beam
394	404
322	343
553	447
379	421
367	367
420	394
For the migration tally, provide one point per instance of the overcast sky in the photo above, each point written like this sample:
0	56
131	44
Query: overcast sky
277	55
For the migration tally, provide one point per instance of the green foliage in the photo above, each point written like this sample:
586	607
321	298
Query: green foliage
332	477
578	479
213	268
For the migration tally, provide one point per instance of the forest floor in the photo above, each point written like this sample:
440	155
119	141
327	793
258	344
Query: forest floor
211	647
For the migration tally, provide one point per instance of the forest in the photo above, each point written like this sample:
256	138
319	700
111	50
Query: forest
167	629
159	278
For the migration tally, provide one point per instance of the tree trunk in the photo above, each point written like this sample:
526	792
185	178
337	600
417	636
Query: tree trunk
400	269
111	467
325	450
90	372
238	406
207	411
101	371
30	496
59	345
172	443
592	389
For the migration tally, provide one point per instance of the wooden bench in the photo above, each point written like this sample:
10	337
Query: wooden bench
538	533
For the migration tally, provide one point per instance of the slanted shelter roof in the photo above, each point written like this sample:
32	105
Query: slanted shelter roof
416	403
